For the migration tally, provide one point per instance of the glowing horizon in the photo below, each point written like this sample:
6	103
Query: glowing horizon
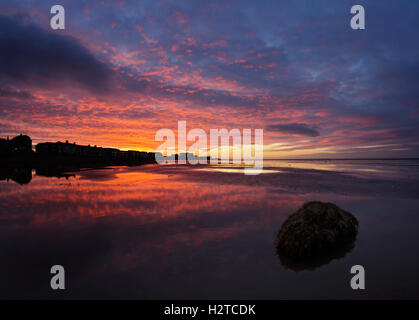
121	71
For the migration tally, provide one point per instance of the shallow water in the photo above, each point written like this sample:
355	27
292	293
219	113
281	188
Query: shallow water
205	232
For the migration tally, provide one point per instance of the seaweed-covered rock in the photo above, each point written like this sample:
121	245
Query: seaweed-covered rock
316	230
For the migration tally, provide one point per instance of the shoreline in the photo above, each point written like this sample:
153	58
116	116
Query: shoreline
36	160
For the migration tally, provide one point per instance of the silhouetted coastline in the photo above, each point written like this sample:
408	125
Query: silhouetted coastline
17	158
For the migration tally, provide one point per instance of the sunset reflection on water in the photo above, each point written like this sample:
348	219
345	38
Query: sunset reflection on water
186	232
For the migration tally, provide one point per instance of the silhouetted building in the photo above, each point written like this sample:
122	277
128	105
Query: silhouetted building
18	145
4	146
80	151
21	144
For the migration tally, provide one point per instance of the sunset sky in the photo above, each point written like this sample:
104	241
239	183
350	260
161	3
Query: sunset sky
121	70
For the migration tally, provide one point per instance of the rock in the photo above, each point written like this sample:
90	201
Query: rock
317	230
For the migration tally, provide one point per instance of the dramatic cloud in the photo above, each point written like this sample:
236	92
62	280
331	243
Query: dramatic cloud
294	128
32	56
19	94
121	70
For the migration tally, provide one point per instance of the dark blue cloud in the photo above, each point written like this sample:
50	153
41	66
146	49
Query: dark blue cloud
11	93
301	129
30	55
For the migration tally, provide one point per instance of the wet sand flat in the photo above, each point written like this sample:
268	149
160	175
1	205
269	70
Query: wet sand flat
175	231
